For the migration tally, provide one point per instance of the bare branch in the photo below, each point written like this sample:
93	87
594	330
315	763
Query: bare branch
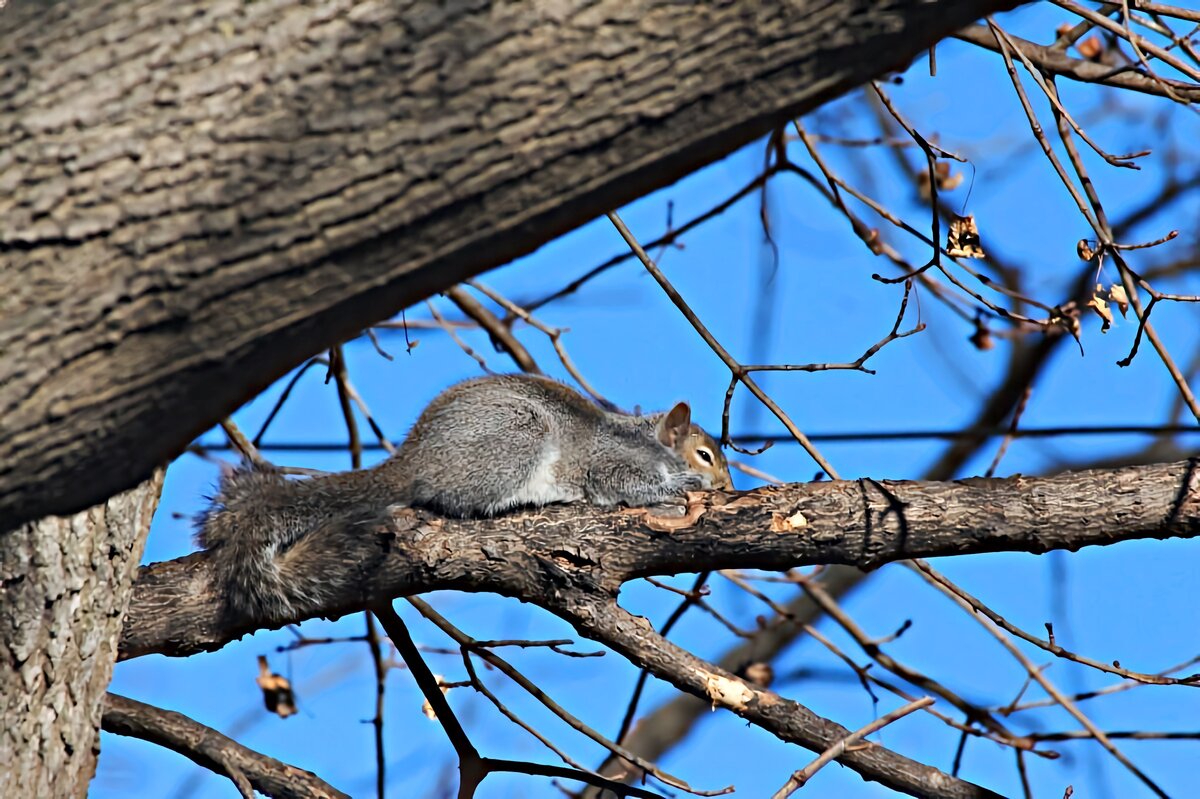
801	777
212	750
737	370
176	611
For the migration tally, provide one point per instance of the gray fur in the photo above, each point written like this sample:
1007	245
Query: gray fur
481	447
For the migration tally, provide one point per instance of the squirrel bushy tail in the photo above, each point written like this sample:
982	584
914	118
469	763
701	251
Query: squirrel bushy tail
258	532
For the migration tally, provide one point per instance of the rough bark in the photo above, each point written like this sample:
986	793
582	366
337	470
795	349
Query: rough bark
534	556
572	561
632	636
663	728
66	584
197	196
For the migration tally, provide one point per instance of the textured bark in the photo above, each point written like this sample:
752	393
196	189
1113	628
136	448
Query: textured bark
632	636
660	730
534	556
572	561
212	750
197	196
66	584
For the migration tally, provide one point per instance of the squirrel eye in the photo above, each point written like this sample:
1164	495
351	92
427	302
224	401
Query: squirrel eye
705	455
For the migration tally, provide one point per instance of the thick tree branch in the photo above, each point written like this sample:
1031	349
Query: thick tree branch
602	619
193	209
533	556
664	727
572	561
212	750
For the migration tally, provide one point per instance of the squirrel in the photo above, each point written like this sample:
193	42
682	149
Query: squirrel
481	447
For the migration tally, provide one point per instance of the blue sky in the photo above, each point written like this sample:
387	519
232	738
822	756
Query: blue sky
1134	602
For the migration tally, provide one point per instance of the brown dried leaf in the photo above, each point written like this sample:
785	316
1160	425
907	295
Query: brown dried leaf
946	180
1091	48
1068	322
963	238
1098	304
1085	249
982	337
1118	297
277	691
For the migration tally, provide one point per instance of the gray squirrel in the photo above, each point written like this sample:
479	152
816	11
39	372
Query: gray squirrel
481	447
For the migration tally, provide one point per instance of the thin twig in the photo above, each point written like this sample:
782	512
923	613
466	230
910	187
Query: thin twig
500	333
799	778
734	367
956	594
492	659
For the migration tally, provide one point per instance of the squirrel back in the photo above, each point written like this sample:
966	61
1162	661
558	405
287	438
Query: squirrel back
479	448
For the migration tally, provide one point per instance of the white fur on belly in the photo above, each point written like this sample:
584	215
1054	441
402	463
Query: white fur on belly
542	487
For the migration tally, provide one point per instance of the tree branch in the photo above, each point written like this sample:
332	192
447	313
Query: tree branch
601	619
531	556
212	750
1057	62
573	559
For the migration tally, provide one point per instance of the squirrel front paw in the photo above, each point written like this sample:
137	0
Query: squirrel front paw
672	507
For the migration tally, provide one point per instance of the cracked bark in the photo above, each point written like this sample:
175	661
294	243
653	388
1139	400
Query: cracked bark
66	583
532	556
196	197
573	559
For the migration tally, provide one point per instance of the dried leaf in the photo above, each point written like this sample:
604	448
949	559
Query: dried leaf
1086	250
277	691
946	180
1068	322
963	238
1091	48
982	337
1118	297
1098	304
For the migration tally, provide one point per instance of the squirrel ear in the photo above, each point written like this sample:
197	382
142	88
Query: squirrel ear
676	424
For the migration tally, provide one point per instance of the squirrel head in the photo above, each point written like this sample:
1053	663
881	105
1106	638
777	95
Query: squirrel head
694	446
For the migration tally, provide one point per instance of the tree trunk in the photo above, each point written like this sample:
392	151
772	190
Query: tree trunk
67	583
197	196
